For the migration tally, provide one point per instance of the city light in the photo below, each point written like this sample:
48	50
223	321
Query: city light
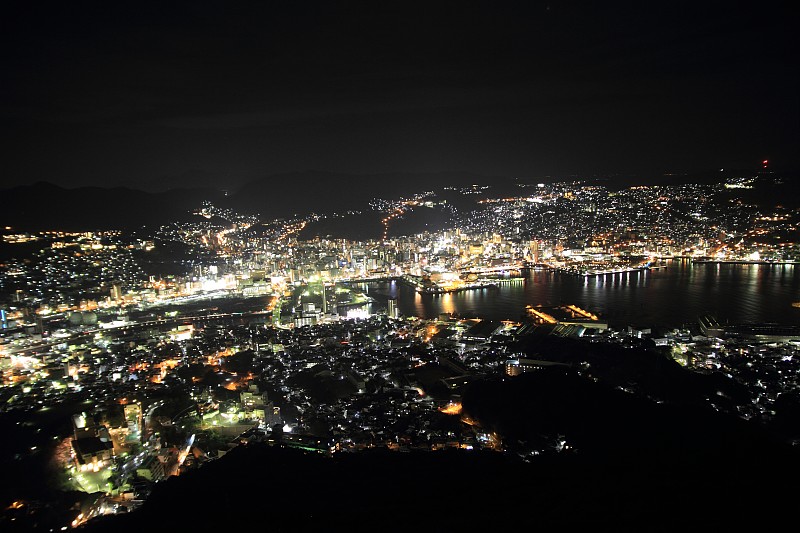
269	334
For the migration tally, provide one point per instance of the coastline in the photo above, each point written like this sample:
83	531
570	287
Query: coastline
743	262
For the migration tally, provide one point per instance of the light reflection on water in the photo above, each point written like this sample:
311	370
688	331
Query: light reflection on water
672	296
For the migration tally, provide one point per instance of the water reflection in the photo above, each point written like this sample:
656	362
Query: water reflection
448	306
672	296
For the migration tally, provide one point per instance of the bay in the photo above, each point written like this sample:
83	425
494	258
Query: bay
668	297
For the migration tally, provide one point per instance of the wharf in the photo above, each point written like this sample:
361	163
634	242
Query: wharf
433	289
744	262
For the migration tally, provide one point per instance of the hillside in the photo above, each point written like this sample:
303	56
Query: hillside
640	466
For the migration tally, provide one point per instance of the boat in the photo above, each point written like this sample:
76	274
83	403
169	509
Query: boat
795	304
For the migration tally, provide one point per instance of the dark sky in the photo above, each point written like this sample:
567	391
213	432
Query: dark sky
146	94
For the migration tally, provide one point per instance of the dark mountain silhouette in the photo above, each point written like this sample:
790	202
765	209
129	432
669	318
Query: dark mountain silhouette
284	195
194	179
44	206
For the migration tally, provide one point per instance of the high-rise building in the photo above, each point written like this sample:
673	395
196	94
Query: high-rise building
534	245
392	310
116	292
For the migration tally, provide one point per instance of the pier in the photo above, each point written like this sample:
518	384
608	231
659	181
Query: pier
423	288
744	261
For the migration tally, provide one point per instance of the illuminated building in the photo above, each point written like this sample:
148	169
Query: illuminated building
308	316
153	468
116	292
91	452
534	245
475	248
392	311
133	418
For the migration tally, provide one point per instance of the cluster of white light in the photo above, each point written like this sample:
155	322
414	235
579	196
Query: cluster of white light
357	313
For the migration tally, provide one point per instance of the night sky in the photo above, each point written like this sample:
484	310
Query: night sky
150	95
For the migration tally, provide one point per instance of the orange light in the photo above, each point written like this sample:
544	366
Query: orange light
453	408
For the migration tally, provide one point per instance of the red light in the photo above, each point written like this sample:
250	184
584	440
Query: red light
764	162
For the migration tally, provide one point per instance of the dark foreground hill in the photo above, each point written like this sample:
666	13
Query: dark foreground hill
262	488
640	466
